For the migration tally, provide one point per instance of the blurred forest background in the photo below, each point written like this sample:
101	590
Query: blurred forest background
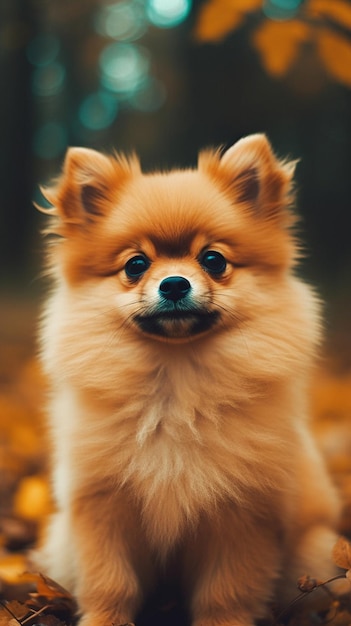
166	78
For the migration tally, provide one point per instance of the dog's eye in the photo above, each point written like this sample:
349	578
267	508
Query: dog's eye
213	262
136	266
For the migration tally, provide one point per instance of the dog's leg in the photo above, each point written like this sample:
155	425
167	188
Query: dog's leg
231	571
56	554
313	531
114	567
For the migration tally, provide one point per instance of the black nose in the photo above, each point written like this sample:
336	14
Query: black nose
174	287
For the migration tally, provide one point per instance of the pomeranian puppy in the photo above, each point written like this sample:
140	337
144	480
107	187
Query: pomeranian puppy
179	345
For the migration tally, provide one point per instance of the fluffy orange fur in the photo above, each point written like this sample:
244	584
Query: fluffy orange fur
179	345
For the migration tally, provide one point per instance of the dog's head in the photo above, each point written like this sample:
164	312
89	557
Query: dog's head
174	255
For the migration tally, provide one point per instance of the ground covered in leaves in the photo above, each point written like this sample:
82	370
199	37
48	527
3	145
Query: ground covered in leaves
32	599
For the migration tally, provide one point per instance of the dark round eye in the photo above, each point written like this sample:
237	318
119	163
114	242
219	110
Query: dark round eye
136	266
213	262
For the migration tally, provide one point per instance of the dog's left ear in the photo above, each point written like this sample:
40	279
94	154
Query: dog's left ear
87	187
256	177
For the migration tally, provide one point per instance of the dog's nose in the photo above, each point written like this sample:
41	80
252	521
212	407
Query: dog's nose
174	288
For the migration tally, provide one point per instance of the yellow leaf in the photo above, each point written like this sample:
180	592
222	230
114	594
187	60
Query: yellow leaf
336	10
32	500
335	51
12	567
217	18
278	44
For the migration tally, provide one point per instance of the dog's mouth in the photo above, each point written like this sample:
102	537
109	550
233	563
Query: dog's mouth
177	323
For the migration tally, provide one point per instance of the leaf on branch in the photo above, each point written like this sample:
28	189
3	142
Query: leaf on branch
217	18
335	51
278	44
338	11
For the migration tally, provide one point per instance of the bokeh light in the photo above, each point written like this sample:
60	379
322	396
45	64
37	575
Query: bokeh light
98	111
150	98
43	50
50	140
48	80
168	13
281	9
123	21
124	67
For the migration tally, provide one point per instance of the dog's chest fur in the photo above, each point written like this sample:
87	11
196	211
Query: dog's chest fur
178	450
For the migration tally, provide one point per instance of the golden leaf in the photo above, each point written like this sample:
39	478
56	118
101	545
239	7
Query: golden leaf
336	10
217	18
335	51
32	500
46	587
278	44
342	553
12	566
50	593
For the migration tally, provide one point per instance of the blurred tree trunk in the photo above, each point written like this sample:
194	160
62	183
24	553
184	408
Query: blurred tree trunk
16	19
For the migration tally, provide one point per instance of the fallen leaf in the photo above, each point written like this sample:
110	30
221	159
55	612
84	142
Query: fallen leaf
49	588
16	609
50	595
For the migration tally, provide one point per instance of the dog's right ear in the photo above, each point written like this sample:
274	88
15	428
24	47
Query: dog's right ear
88	186
258	179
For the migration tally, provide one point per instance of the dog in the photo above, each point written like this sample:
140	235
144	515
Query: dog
179	344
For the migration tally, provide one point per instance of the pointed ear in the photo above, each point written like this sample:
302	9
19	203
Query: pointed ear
87	186
256	177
